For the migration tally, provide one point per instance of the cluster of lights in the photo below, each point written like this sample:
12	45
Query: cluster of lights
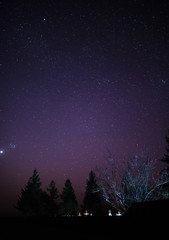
87	214
118	214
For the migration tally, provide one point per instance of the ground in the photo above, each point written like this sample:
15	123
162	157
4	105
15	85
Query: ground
76	227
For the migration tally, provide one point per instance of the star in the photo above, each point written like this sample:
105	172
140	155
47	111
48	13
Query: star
12	146
1	152
163	82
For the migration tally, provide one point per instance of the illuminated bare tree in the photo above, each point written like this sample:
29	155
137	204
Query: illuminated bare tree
135	181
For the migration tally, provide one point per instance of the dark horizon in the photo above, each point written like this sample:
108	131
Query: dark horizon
78	78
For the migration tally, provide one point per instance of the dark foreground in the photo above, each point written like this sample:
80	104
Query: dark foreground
55	228
77	227
142	220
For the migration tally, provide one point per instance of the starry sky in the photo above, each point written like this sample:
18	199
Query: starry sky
77	78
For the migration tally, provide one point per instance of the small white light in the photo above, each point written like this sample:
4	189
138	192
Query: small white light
118	214
86	213
109	213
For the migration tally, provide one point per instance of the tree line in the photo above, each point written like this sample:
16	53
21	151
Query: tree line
116	188
34	201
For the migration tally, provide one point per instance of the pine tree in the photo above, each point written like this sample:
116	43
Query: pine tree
53	192
165	171
69	202
166	156
52	199
30	202
92	198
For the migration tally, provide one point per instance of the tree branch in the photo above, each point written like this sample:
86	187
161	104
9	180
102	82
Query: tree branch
153	189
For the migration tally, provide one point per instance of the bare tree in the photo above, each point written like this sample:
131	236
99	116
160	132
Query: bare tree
135	181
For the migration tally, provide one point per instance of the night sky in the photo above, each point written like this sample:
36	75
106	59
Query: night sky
77	78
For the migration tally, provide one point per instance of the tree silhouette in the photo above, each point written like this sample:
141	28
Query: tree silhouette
53	192
51	199
92	198
165	171
30	202
166	156
69	202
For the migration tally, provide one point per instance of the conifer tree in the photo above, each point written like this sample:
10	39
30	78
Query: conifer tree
30	202
52	197
166	156
53	192
165	171
69	202
92	198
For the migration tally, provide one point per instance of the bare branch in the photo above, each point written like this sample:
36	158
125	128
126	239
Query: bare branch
153	189
133	183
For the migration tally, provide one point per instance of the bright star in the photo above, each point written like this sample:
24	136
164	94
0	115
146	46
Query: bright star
1	152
